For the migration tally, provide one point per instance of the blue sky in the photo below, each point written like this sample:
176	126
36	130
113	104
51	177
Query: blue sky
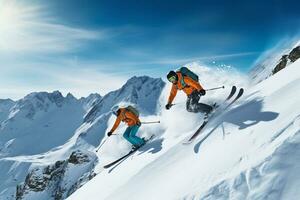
82	46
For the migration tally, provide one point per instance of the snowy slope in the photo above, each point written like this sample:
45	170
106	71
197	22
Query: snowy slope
5	106
47	140
264	66
34	127
251	151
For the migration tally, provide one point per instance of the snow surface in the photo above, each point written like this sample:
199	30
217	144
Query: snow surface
251	151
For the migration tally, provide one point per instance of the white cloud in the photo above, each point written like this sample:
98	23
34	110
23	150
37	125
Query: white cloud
80	81
178	60
200	58
29	28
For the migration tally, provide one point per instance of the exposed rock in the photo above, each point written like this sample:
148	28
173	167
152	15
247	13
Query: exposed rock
19	192
77	157
282	64
294	54
52	179
58	195
39	179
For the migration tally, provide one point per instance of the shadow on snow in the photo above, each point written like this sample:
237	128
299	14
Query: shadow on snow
153	147
243	116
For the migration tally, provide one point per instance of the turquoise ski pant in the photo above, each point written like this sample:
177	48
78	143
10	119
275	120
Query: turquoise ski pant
130	136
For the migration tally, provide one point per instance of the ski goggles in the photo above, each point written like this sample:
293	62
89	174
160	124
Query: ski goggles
172	79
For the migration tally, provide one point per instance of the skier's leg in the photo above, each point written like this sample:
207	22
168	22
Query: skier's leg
202	107
198	107
135	139
188	104
192	101
126	134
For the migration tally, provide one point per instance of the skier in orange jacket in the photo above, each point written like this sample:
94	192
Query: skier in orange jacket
133	123
192	89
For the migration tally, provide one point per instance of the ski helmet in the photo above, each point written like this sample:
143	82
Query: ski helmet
172	76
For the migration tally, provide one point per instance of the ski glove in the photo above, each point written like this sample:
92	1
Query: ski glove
109	133
202	92
168	106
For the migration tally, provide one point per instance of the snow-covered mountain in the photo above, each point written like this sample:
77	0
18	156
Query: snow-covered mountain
47	140
274	60
251	151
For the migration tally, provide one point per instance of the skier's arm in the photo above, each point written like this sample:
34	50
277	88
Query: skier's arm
172	94
116	124
193	83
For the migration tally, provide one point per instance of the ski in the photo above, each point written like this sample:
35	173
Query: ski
118	160
127	155
196	133
232	92
240	93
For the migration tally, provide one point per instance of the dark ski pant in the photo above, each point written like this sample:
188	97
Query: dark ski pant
193	105
130	136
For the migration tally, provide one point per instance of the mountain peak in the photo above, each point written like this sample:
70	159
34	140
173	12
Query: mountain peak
54	96
35	101
92	96
139	80
6	102
136	90
90	100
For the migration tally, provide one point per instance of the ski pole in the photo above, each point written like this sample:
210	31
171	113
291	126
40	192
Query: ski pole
216	88
174	104
154	122
101	145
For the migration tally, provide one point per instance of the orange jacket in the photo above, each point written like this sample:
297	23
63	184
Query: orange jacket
127	117
191	86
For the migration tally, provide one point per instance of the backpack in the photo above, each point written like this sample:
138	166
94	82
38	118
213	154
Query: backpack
133	110
186	72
